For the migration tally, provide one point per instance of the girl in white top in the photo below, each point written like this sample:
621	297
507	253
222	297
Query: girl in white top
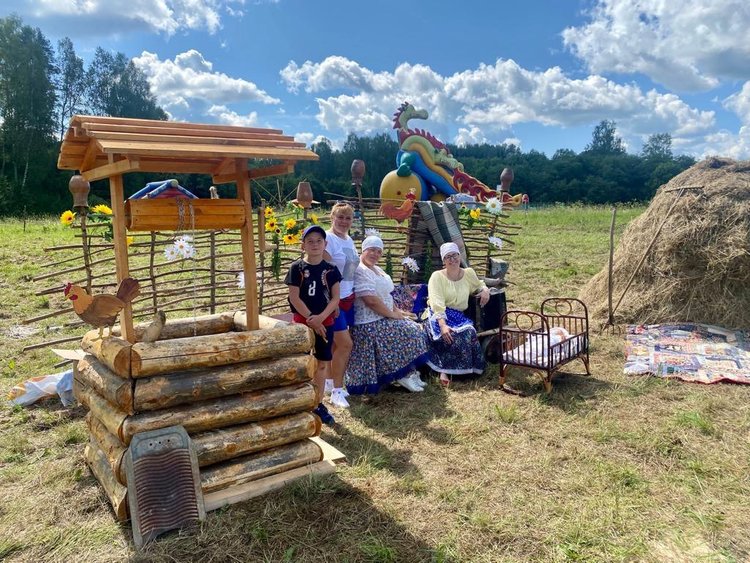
340	250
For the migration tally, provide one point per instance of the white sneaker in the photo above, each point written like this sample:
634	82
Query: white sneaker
328	387
418	380
338	399
408	383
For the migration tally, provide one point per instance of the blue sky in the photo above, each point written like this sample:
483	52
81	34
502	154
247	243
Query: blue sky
540	74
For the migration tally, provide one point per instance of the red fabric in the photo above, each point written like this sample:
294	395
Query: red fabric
346	303
302	320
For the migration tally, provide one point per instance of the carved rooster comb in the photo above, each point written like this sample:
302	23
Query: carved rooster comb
67	287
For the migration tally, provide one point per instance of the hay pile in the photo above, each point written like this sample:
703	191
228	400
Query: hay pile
699	267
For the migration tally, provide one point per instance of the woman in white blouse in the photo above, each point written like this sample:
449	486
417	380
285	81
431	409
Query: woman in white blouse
387	346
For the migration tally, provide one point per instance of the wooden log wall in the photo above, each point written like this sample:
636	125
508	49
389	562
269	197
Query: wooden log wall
245	398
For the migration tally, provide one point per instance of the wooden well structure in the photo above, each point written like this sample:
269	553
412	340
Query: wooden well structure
239	383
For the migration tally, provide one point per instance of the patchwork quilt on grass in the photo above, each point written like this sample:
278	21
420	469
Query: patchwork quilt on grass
691	352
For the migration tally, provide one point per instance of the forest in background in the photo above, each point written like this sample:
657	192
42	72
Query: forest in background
42	86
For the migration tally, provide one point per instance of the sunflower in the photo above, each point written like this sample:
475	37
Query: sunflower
290	224
290	239
129	240
101	208
268	211
314	219
475	213
67	217
272	224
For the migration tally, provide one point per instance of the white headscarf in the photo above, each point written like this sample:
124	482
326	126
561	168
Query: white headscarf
372	242
448	248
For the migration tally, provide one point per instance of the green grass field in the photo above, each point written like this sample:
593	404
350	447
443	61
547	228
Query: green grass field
606	468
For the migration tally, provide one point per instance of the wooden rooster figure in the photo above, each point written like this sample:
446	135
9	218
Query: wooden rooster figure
101	310
401	213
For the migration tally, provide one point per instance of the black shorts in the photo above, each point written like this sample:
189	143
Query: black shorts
323	349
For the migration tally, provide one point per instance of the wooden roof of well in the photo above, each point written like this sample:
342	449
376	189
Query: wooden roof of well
99	147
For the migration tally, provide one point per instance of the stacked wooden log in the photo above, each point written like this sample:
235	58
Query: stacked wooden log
245	398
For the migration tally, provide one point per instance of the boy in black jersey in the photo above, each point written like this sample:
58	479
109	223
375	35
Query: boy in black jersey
314	298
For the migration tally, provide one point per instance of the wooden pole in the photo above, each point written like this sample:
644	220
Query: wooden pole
248	245
122	268
648	249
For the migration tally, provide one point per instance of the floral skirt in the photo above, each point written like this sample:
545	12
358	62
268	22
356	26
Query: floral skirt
383	351
464	356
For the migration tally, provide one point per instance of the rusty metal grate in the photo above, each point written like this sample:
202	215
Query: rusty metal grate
164	490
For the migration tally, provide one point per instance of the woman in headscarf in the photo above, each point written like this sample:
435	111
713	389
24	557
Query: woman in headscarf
454	346
387	346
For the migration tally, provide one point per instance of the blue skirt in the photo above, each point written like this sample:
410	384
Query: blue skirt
464	355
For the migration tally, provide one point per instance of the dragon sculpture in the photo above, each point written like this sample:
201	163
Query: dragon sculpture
428	169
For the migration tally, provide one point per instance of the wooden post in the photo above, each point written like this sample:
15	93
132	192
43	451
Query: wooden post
117	196
212	268
248	246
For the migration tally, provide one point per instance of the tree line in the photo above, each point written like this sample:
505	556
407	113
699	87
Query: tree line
42	87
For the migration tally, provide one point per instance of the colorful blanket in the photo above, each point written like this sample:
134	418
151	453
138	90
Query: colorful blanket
691	352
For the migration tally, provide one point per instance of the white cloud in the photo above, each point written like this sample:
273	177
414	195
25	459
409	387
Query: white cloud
228	117
472	136
113	16
308	138
486	102
739	103
724	143
190	76
686	45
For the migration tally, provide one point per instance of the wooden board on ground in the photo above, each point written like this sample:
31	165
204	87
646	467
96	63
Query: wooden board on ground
246	491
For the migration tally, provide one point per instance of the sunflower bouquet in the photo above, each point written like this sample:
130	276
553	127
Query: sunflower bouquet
99	214
284	231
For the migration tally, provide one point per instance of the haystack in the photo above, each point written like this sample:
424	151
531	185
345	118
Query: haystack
698	269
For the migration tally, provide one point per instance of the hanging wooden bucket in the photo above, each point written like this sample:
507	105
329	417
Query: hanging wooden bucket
183	214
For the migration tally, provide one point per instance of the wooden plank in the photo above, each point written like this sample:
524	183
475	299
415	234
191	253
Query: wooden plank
206	150
225	167
195	131
117	198
244	133
240	493
111	169
248	246
90	157
79	120
184	214
329	452
181	138
177	166
255	173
